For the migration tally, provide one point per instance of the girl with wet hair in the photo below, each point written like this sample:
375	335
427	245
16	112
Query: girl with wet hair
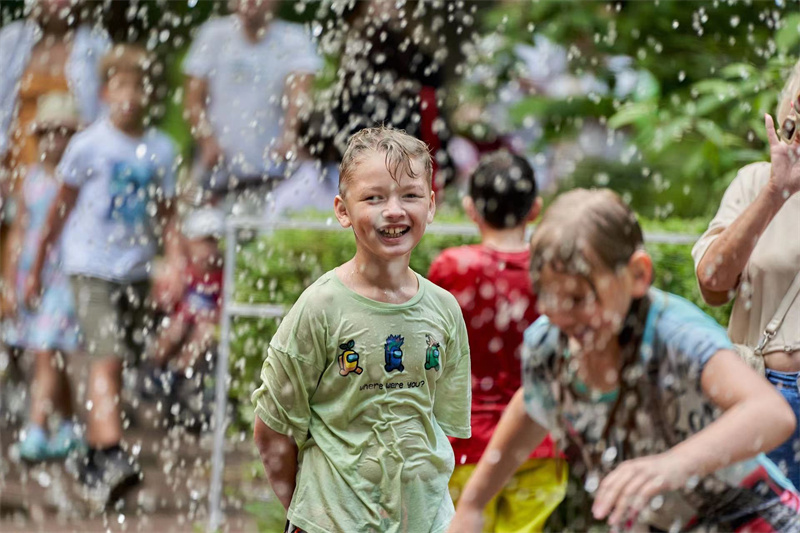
662	420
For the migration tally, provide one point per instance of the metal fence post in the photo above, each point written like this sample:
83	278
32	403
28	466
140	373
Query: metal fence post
221	384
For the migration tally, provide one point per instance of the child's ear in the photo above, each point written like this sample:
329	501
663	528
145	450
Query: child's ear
641	268
340	210
469	208
432	207
536	209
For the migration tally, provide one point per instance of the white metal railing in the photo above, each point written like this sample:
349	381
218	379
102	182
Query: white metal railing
231	309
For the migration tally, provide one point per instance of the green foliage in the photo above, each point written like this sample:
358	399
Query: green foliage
276	268
707	74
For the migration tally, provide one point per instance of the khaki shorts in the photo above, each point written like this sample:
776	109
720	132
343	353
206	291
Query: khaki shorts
114	317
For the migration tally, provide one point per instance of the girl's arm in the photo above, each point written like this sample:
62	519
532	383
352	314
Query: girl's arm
756	419
279	456
53	225
512	442
13	248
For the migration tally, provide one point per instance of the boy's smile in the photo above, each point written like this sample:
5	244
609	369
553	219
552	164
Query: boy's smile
388	217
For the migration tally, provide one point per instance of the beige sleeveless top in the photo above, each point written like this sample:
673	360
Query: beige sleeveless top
772	266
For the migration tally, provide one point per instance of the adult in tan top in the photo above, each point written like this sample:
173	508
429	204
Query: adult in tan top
751	253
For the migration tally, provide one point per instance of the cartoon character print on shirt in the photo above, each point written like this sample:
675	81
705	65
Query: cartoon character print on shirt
432	353
394	355
128	190
348	359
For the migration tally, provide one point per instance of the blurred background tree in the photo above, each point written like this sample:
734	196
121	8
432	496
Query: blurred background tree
705	74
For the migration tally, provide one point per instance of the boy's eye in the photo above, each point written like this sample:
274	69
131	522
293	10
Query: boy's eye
413	195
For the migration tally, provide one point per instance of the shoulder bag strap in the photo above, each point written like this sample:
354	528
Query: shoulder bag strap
775	324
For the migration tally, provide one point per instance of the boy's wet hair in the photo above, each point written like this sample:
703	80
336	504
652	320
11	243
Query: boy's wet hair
503	188
583	229
125	58
400	148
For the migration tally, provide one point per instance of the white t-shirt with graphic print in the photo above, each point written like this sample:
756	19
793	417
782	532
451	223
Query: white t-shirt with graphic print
110	232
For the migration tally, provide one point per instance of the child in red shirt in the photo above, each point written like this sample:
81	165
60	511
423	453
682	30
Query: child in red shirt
491	282
189	332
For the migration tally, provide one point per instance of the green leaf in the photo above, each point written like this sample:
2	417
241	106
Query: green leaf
739	71
711	131
788	37
716	86
633	113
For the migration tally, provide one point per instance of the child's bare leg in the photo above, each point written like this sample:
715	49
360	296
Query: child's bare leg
63	393
44	387
169	341
104	425
200	339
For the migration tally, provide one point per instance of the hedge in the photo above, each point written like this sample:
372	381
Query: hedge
276	268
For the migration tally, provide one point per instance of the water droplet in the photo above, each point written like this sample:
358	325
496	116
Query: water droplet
44	479
610	455
592	482
657	502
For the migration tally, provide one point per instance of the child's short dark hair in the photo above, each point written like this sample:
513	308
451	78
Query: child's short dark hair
503	188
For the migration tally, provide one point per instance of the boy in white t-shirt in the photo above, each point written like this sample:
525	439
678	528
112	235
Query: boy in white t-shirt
369	372
248	76
115	208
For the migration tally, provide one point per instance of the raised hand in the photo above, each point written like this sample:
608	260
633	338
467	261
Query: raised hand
785	158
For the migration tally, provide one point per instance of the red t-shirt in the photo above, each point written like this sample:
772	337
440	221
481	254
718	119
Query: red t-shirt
495	294
203	296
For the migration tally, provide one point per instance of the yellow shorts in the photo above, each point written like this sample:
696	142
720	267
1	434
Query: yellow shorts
526	502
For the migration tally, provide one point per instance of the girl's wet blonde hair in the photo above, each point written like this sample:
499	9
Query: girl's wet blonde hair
584	229
400	148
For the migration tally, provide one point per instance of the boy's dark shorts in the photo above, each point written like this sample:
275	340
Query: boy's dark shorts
114	317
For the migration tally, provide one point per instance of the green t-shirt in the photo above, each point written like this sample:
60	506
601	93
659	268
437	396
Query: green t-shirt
369	391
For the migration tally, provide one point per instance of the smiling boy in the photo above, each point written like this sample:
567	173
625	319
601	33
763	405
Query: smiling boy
358	451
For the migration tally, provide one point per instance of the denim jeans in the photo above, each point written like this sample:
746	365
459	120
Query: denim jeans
787	455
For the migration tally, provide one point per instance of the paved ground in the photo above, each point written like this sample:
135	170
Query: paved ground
172	498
